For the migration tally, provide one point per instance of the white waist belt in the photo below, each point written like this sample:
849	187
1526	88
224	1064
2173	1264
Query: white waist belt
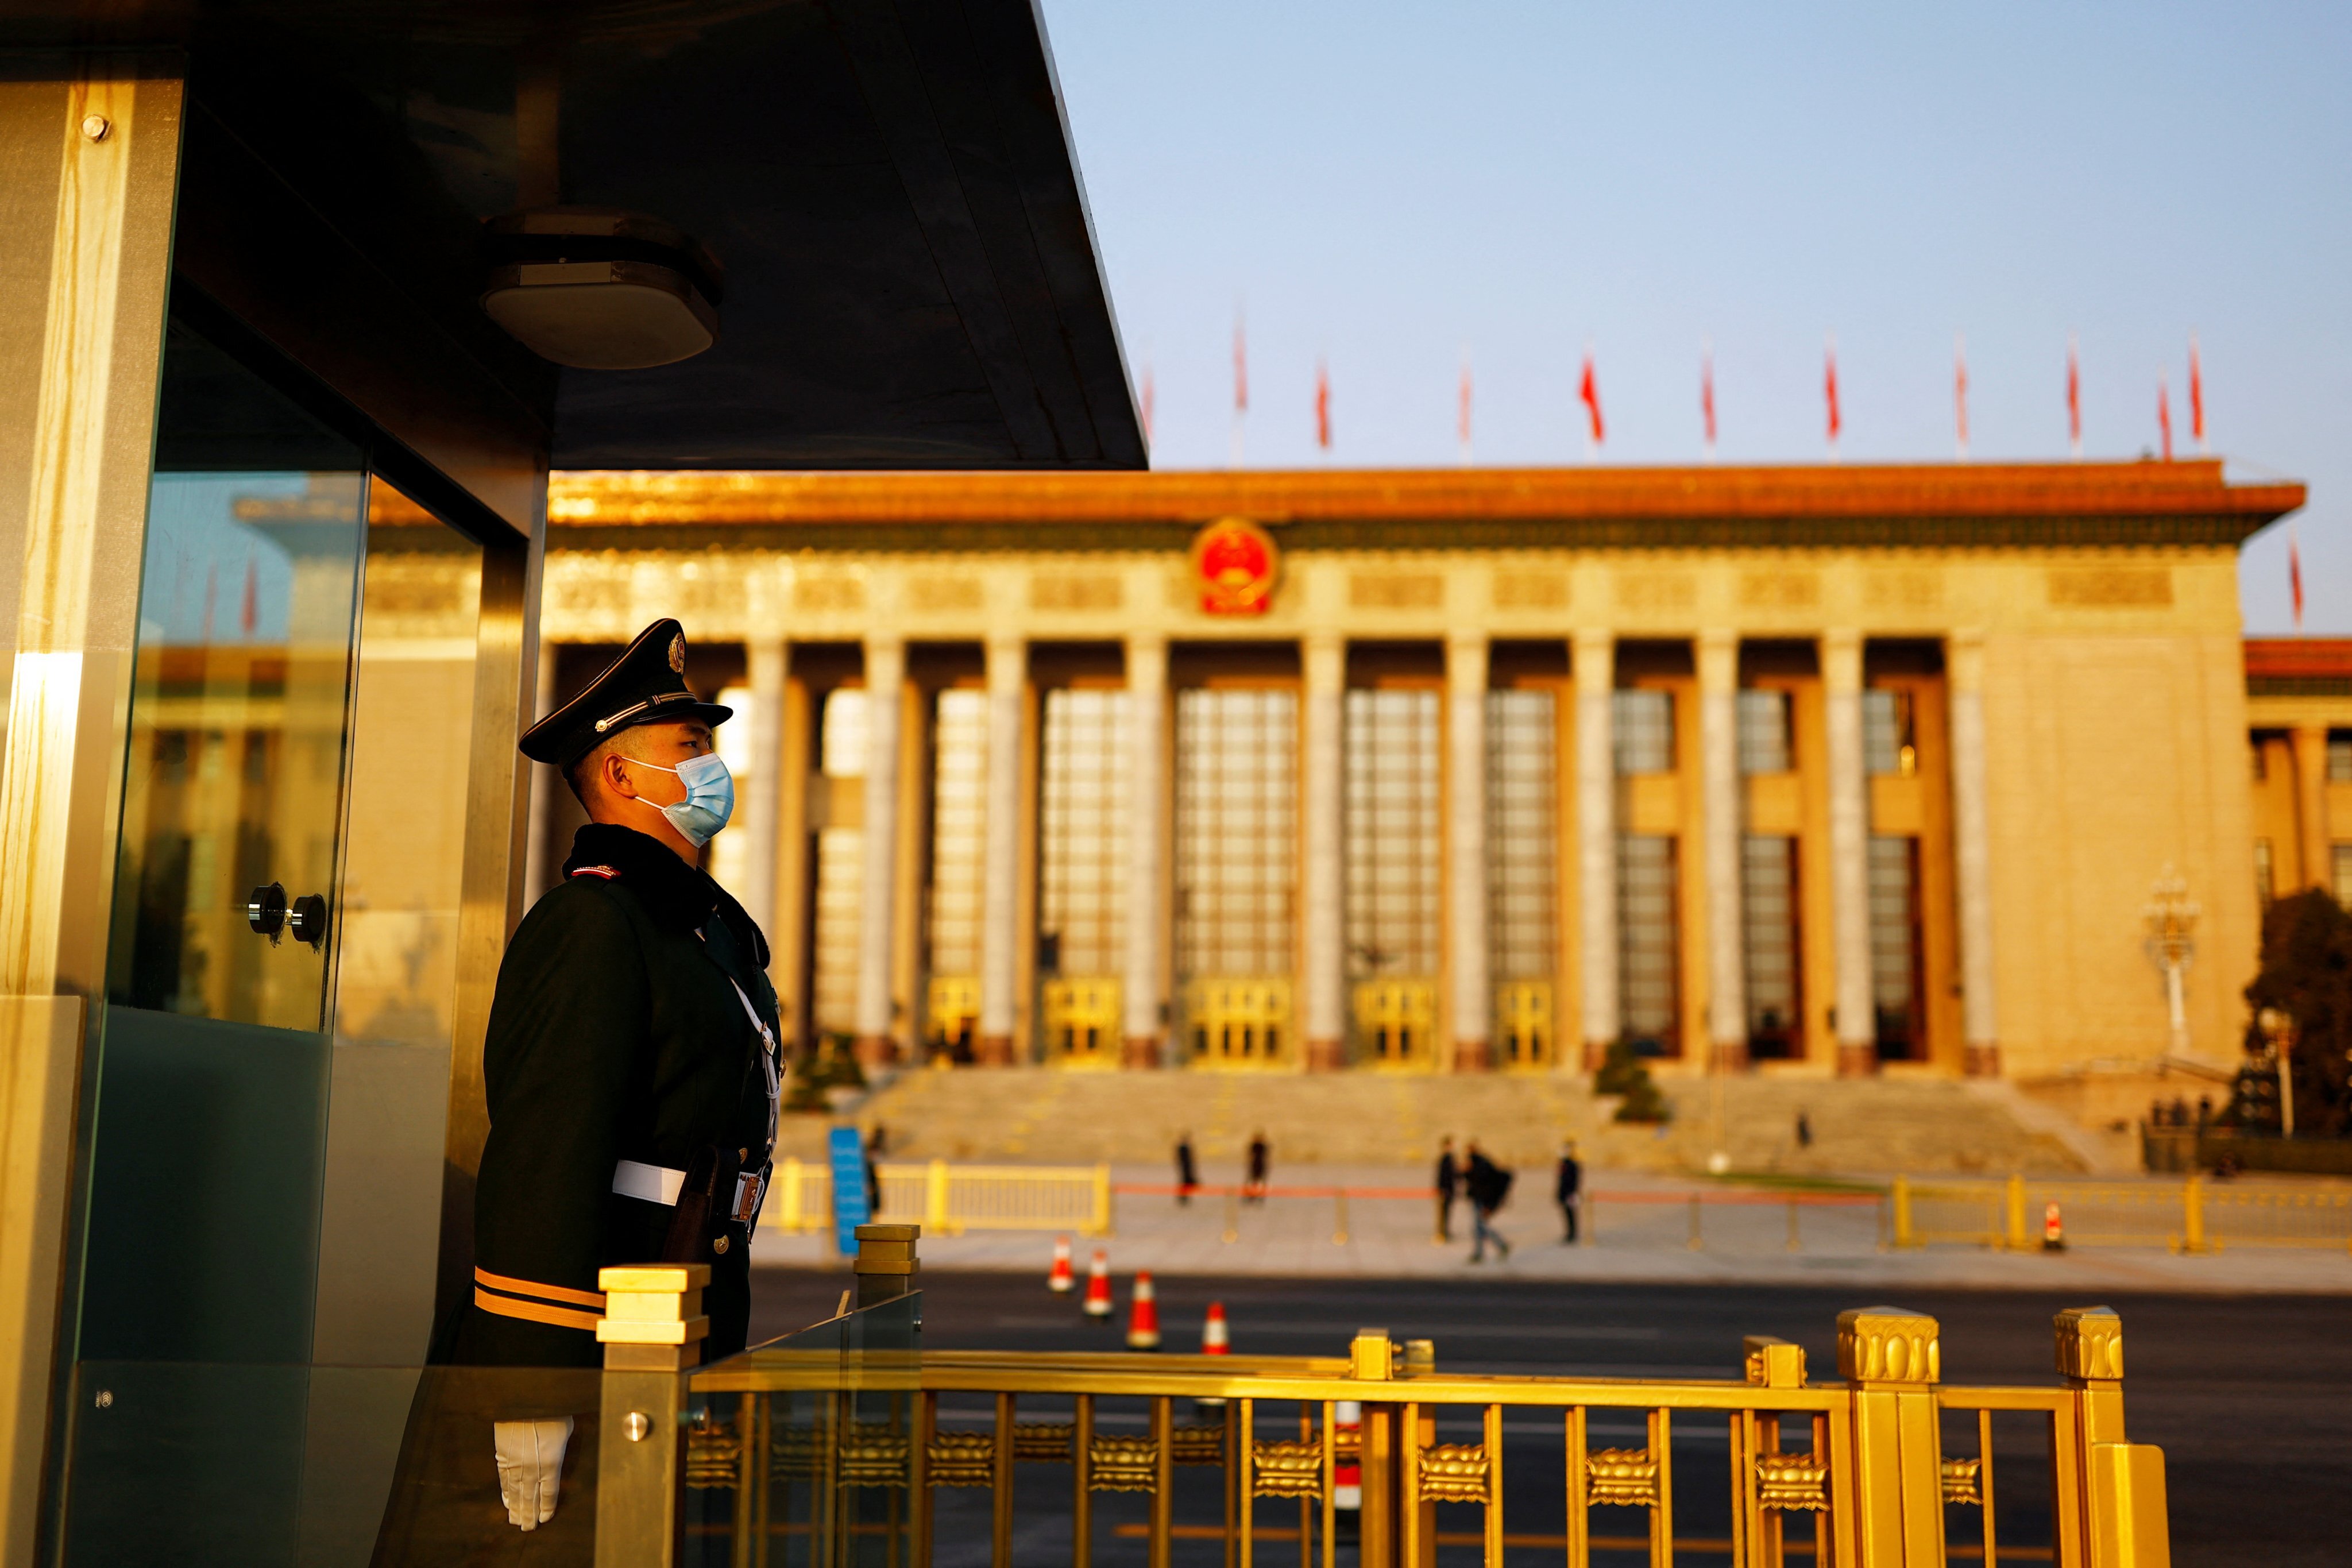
660	1184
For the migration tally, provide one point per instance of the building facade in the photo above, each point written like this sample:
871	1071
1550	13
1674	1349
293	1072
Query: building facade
1819	770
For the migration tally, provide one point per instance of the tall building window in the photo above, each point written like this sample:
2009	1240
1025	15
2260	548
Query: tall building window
2339	756
1081	820
1392	834
2343	877
1775	985
1522	833
1764	742
1895	957
840	865
1236	831
1889	742
1644	726
2265	876
1648	948
959	829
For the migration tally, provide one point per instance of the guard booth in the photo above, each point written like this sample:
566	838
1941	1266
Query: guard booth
299	304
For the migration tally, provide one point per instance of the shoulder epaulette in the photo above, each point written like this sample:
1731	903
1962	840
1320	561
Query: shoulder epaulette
608	872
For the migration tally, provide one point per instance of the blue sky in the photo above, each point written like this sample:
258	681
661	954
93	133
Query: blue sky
1389	187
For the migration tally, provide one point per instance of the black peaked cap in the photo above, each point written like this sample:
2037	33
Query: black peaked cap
647	685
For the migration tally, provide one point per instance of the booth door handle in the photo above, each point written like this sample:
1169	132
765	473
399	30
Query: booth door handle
265	911
309	919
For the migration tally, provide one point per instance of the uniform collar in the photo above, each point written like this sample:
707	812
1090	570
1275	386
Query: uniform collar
677	895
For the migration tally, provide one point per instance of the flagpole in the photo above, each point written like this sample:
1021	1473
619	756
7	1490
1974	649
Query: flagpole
1707	394
1961	392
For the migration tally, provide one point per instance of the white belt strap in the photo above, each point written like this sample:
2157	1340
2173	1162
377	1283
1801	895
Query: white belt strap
660	1184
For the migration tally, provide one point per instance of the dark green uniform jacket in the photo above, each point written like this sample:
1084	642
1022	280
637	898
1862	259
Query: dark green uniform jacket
614	1036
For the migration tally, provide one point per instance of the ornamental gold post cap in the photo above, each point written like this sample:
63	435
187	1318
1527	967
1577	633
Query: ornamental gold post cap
1372	1355
1889	1345
1773	1361
2090	1342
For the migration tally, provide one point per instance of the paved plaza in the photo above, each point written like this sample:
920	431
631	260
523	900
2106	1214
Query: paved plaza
1638	1231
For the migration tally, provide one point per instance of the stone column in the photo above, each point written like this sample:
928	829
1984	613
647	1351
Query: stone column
2313	852
1596	839
1142	996
1324	970
1472	1006
885	677
1726	945
1008	674
1973	853
769	663
1856	1013
538	857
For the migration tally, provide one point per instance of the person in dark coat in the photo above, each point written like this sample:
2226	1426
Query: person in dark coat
1448	1186
1487	1186
1188	1174
1571	1180
631	1064
1254	1189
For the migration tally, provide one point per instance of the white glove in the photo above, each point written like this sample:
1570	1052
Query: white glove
530	1467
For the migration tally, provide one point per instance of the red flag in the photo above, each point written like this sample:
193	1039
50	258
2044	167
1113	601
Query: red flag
1322	406
1960	391
2295	576
1829	385
250	613
1147	405
2164	414
1241	368
2196	395
1706	392
1588	391
1462	420
2073	398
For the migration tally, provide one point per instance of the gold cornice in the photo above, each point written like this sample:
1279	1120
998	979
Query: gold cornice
1946	490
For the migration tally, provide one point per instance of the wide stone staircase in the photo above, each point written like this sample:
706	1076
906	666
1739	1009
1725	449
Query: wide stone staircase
1043	1116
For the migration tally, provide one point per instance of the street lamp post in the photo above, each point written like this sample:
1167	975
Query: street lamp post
2278	1028
2171	915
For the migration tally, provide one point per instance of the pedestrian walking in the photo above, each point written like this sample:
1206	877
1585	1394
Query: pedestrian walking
1571	1182
1804	1131
1448	1188
1254	1189
1187	1175
1489	1187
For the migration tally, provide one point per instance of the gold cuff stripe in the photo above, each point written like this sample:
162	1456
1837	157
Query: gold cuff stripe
544	1293
509	1307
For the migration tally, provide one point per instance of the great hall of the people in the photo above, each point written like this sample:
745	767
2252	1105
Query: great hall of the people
1829	770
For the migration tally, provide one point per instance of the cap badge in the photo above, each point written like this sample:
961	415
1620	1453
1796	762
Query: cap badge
677	653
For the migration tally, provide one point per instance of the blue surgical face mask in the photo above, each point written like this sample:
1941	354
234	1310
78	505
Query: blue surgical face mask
709	796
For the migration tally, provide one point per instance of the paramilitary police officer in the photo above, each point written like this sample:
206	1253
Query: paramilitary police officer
632	1066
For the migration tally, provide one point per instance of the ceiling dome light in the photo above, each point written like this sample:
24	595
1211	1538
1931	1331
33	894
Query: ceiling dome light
597	288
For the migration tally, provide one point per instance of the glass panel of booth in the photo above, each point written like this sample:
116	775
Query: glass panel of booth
270	1089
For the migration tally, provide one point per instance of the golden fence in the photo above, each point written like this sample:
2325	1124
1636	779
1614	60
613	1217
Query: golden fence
829	1447
948	1200
2191	1215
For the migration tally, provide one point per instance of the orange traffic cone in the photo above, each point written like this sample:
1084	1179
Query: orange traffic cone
1099	1287
1214	1338
2053	1229
1143	1315
1059	1281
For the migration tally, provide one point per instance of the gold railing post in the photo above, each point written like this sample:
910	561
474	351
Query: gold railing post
885	1262
1903	1234
2120	1484
2192	1214
1372	1359
652	1332
935	1197
1890	1359
1102	1220
2014	1233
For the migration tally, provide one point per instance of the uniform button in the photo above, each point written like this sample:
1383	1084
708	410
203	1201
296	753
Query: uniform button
719	1246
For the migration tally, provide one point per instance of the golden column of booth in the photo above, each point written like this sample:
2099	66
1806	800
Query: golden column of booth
92	159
